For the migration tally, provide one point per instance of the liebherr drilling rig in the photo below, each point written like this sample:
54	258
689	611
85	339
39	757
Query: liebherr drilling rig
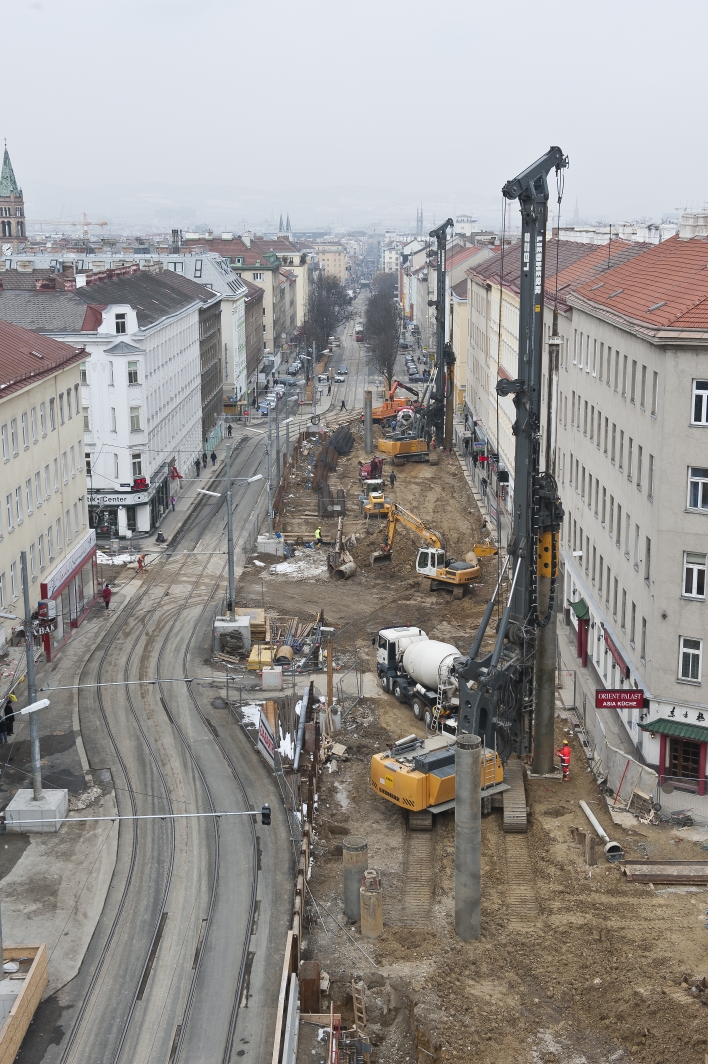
507	696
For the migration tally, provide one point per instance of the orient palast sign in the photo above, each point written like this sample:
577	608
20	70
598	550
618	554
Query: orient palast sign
619	699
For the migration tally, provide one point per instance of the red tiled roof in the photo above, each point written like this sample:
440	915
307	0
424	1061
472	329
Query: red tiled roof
27	356
460	289
462	255
254	292
664	287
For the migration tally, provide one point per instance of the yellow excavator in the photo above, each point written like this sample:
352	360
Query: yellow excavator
432	561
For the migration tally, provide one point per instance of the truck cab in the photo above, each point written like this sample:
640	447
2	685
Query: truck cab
391	645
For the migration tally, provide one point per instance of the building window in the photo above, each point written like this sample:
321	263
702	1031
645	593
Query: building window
694	575
85	412
68	404
643	645
50	543
58	530
56	474
3	592
627	526
67	527
630	458
650	485
643	391
654	393
624	376
133	373
121	325
33	423
135	419
690	654
636	547
700	403
614	599
621	455
613	451
697	488
623	618
618	529
72	459
40	544
64	467
258	277
113	419
633	383
617	370
52	414
43	418
38	489
647	560
25	431
13	581
137	465
33	561
28	496
82	373
111	382
633	624
5	443
14	437
61	408
87	459
18	505
10	513
604	506
76	518
198	268
640	457
115	466
7	228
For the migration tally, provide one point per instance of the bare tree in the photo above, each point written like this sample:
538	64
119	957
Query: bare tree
382	325
327	307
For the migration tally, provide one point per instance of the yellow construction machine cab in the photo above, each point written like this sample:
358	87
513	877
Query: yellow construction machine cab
419	774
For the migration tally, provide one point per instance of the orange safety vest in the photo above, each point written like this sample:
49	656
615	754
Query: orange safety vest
564	755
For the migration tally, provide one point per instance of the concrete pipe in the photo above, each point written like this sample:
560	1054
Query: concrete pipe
613	850
355	861
345	572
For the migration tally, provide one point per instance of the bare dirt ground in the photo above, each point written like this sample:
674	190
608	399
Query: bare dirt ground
573	965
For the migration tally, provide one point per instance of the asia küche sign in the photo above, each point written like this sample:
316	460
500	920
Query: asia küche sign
619	699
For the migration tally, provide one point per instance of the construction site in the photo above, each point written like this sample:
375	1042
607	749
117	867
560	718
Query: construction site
574	961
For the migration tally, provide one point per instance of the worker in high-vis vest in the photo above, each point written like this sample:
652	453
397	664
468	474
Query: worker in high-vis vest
318	537
564	754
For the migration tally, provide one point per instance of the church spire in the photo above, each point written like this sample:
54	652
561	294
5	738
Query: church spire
280	227
8	183
287	225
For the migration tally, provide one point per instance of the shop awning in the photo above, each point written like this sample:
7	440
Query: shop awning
580	609
680	729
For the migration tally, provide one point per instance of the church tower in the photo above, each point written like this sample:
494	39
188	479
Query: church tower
12	210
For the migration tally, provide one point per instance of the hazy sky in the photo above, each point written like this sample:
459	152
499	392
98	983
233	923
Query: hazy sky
227	113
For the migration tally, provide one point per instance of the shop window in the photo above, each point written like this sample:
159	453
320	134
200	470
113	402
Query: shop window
697	488
690	659
694	575
684	758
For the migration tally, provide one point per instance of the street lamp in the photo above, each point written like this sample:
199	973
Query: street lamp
229	520
269	458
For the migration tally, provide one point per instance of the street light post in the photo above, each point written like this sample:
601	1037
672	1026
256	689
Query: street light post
270	477
277	445
31	683
230	531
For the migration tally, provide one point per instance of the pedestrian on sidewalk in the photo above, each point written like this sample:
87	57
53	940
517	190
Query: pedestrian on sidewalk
392	478
475	459
467	445
484	487
343	406
205	459
213	458
198	466
329	389
3	731
106	595
172	502
228	431
10	714
564	754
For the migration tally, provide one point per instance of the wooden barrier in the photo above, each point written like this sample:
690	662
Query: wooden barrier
15	1026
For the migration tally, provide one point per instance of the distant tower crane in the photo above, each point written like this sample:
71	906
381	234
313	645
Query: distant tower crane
67	221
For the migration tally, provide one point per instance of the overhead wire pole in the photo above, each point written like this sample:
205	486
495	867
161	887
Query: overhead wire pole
31	683
230	531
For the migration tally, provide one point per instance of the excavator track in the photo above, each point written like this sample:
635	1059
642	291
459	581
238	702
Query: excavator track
514	800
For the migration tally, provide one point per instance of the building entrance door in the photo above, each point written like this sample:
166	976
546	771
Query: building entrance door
684	758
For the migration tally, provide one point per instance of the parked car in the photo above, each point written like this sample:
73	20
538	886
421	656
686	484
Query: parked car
342	369
339	379
417	378
323	378
263	409
282	380
272	398
295	368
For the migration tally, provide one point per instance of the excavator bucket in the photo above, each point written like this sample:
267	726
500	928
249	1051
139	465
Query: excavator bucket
381	557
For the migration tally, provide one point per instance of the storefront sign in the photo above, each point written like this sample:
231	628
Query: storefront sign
44	627
624	667
135	497
619	699
71	562
266	741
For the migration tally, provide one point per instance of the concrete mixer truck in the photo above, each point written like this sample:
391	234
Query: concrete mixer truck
418	671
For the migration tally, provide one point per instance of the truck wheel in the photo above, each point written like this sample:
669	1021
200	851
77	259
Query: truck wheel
385	684
397	692
429	717
418	707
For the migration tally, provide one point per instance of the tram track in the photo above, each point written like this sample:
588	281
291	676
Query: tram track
195	526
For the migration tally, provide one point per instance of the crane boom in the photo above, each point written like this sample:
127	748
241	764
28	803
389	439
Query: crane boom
398	515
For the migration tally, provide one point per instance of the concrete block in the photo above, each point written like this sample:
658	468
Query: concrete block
26	815
272	678
270	546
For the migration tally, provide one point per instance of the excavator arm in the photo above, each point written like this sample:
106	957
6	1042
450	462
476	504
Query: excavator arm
398	515
406	388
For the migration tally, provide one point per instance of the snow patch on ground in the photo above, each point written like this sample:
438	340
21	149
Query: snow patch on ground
252	714
115	559
303	566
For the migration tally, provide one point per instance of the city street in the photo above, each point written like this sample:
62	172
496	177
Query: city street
186	956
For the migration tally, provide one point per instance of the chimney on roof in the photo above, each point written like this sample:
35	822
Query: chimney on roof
45	284
693	225
176	241
246	237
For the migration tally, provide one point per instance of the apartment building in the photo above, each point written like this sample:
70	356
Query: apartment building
141	394
633	472
43	504
332	258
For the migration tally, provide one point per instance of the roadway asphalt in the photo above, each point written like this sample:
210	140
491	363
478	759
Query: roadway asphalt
185	960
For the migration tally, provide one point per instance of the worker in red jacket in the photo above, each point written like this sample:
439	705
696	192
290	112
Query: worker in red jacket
106	595
564	754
